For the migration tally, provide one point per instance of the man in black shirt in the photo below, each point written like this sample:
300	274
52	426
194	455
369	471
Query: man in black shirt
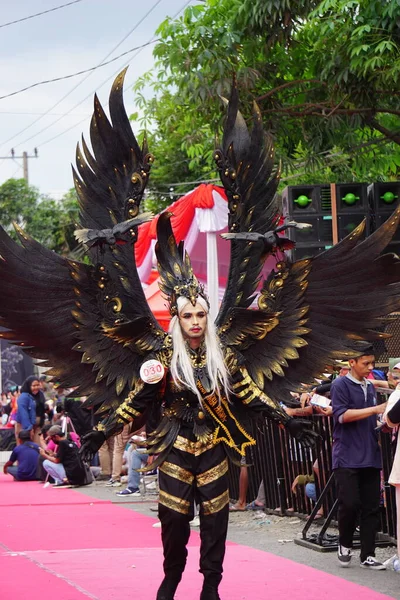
65	466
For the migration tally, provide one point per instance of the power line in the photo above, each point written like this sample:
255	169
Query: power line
97	88
35	114
172	18
86	97
80	83
39	14
15	172
29	87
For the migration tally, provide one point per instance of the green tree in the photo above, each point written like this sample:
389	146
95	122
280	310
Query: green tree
47	220
325	74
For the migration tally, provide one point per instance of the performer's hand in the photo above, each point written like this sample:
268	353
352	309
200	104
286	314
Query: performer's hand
91	442
303	432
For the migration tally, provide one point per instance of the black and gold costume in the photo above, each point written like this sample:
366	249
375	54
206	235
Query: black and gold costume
97	330
192	444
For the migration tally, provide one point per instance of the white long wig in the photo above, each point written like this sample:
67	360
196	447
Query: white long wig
181	366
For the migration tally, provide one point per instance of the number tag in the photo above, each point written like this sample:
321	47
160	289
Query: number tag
151	371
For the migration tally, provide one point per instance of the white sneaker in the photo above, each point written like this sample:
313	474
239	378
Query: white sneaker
151	486
113	483
344	556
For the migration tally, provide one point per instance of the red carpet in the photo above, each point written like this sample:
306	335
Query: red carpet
31	492
62	543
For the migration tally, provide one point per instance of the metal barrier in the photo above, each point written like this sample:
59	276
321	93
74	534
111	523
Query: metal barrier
278	459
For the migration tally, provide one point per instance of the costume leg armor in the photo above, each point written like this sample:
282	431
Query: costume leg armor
213	494
175	510
194	471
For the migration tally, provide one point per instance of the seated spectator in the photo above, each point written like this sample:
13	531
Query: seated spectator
27	456
138	458
309	488
45	443
64	465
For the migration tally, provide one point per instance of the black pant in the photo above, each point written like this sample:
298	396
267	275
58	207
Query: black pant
184	478
358	492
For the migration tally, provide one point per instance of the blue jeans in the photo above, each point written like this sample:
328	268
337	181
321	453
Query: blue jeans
311	491
55	470
13	471
137	459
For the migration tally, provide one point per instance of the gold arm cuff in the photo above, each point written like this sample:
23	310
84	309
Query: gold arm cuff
174	503
100	427
244	392
213	506
245	381
177	472
123	416
131	411
212	474
195	448
127	412
250	398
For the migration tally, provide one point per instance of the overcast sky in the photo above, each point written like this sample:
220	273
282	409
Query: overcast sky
56	44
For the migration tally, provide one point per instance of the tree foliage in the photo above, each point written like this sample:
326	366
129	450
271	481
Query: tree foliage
49	221
324	73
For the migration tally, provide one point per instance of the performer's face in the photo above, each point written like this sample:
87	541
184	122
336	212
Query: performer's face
193	321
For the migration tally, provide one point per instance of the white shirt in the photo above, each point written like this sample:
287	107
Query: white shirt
394	478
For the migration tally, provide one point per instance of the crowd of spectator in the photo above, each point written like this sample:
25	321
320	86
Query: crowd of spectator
348	398
48	425
47	442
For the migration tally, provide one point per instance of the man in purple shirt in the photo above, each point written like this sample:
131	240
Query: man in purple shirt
26	454
357	460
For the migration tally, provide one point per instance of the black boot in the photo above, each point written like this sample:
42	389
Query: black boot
167	589
209	592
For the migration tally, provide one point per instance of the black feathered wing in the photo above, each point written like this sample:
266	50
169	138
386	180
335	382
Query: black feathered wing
55	310
92	324
245	161
316	311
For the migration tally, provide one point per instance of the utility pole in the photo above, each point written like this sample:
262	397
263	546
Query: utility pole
25	156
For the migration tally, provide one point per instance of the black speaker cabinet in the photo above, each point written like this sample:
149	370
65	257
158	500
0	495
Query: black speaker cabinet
306	200
352	198
384	197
